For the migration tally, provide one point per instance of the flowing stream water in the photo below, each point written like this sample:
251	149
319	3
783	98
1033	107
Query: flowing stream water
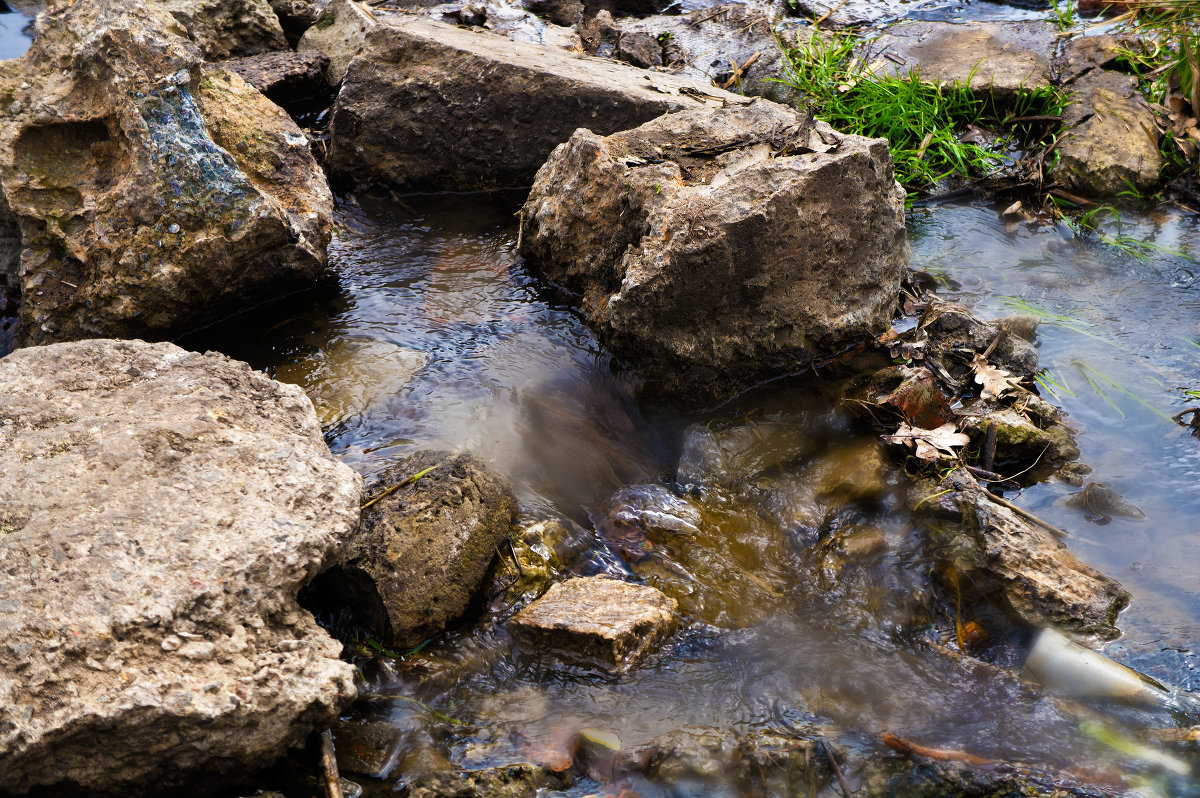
781	632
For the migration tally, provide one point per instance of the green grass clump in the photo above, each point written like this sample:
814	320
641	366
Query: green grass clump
920	120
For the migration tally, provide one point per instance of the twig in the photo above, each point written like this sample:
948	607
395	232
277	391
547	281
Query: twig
983	473
837	769
1034	118
520	227
333	782
817	24
898	743
1028	516
739	71
399	485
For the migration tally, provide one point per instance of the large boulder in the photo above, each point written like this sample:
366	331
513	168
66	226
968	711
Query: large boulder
430	106
339	32
150	192
713	249
159	511
228	28
424	546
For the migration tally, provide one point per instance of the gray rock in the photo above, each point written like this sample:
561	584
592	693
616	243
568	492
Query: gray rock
951	326
997	58
228	28
369	747
507	104
162	509
152	193
1084	53
714	249
1112	141
339	32
423	551
1003	558
286	78
596	620
632	514
297	16
1019	439
709	43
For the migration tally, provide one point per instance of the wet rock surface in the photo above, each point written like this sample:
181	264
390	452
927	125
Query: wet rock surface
1008	558
287	79
424	549
713	249
996	58
514	781
1111	143
596	620
152	193
405	92
228	28
159	641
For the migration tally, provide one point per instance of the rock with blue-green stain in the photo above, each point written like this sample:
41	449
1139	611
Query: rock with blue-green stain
150	193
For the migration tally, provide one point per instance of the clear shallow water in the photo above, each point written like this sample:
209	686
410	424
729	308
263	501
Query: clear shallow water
15	27
781	622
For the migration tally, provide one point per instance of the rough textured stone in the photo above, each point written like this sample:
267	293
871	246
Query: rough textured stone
714	249
513	781
999	58
228	28
508	104
560	12
297	16
161	509
707	44
1112	142
286	78
596	620
1085	53
1005	559
950	326
339	32
423	551
151	193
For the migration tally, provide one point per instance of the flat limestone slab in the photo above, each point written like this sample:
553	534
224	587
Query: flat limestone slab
427	105
596	620
1000	57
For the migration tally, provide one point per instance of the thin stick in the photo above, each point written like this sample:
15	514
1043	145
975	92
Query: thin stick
898	743
333	782
817	24
398	486
989	447
1028	516
837	770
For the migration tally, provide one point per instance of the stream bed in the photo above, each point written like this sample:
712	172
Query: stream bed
799	617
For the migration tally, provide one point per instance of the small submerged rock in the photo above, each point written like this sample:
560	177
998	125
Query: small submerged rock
713	249
596	621
1004	557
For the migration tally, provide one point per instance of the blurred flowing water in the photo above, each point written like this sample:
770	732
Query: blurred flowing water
781	627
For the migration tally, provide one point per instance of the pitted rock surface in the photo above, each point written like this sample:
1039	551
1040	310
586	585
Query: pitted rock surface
712	249
152	193
596	620
228	28
423	550
159	511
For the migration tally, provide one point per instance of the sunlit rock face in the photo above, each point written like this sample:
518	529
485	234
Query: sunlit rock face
159	512
150	193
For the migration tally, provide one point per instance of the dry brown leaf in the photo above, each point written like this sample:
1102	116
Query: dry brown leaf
930	444
995	381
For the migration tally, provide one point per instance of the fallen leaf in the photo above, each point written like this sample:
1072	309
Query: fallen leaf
929	444
995	381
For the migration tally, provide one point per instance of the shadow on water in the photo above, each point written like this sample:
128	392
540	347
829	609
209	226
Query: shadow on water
801	610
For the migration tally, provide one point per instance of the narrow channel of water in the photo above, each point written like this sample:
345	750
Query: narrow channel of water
778	628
